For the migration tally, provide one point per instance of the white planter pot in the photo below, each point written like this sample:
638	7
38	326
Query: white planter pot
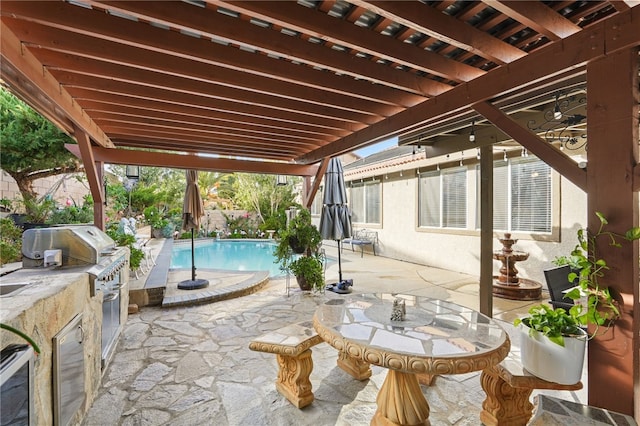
550	361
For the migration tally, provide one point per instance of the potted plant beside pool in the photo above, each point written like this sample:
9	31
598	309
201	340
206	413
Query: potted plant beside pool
298	251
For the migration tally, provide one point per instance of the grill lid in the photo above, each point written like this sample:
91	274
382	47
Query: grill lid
80	244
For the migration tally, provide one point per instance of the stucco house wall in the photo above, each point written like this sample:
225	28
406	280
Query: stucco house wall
459	250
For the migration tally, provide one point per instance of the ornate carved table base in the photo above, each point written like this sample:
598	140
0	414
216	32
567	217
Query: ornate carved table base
357	368
401	402
293	378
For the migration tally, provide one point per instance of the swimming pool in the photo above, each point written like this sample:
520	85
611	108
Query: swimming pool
232	255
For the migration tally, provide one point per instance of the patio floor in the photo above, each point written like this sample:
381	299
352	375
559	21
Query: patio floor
191	365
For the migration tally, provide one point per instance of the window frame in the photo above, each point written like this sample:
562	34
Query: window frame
460	176
367	187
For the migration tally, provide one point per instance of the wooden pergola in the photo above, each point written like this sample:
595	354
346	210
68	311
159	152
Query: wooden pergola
280	87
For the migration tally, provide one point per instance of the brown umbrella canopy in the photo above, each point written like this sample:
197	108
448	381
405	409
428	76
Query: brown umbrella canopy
193	209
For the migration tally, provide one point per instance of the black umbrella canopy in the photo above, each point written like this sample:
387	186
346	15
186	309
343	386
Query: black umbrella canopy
335	221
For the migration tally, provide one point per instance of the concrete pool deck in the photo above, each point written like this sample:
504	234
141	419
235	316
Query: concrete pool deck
191	365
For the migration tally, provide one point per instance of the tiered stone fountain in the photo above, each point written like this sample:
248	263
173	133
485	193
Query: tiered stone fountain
508	285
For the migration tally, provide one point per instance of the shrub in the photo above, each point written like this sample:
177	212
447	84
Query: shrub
10	242
126	240
72	214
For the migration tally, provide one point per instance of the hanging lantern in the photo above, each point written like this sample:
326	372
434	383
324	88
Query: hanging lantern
133	172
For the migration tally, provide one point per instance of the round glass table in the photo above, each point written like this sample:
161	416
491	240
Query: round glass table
434	337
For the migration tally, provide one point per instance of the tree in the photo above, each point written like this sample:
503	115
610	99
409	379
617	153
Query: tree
260	193
217	187
32	147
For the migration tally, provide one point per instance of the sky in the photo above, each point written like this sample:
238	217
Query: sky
380	146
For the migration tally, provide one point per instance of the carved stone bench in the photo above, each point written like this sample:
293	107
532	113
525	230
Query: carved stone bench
292	346
508	387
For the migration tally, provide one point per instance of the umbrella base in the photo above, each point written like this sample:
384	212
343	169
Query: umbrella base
193	284
341	287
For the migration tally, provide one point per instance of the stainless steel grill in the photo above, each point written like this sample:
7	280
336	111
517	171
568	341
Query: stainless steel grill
89	247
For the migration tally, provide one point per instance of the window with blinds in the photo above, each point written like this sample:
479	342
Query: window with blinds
442	199
521	195
530	196
366	203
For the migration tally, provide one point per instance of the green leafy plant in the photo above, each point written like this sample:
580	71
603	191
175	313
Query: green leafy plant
553	323
588	268
154	218
6	205
10	241
599	307
305	263
121	239
300	236
72	214
309	269
38	211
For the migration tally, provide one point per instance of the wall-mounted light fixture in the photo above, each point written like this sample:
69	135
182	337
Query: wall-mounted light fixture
478	153
557	114
281	180
472	134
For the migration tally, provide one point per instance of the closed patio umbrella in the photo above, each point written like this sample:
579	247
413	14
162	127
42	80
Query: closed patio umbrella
335	221
192	211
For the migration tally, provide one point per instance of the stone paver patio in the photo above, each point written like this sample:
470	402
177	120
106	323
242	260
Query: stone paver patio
191	365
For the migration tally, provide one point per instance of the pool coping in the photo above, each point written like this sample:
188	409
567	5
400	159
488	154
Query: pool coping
217	293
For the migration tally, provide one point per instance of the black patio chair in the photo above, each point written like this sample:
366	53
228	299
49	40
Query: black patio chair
558	282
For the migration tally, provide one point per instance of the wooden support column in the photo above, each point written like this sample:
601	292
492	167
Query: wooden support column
306	189
99	209
93	176
310	195
486	230
612	128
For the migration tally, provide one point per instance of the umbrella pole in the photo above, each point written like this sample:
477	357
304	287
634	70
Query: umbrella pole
193	284
339	264
193	259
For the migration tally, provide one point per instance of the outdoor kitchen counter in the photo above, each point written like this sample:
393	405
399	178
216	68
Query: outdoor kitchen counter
35	286
41	309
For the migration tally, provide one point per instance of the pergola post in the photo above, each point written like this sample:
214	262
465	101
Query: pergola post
486	230
612	128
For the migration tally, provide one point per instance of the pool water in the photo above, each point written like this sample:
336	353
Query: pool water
244	255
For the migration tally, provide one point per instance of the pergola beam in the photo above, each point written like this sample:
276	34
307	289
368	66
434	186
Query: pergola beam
177	161
541	149
444	27
601	39
20	58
